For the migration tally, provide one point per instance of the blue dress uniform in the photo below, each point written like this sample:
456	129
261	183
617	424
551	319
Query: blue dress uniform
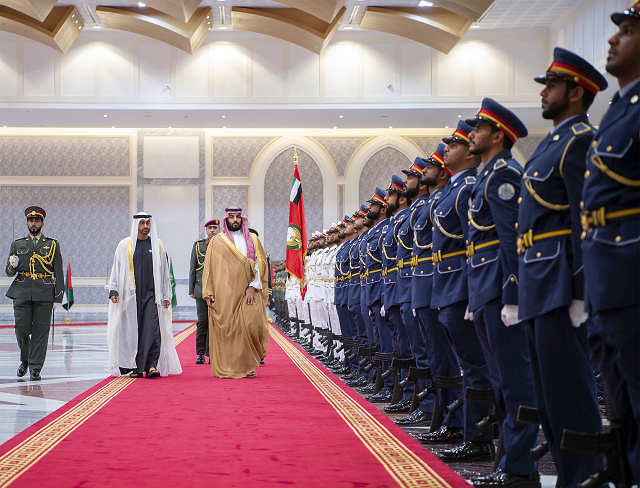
373	280
611	253
493	283
442	356
372	336
550	277
341	289
404	237
450	294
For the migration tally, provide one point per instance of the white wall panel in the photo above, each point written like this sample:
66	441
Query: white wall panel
453	71
304	73
416	70
379	70
528	63
175	211
609	27
598	32
229	70
587	36
267	70
77	70
490	59
569	36
342	64
8	69
116	71
578	39
192	74
155	70
561	39
171	157
39	70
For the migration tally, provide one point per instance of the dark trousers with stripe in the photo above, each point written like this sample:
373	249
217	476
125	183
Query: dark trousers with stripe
474	366
442	360
419	350
507	354
386	341
402	345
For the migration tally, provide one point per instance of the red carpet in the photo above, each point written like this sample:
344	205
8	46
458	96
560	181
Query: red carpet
294	425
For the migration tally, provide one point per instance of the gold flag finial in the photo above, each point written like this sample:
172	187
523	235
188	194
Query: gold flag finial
295	156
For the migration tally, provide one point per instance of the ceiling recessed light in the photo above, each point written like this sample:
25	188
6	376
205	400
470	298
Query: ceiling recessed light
223	116
169	127
342	116
424	3
474	27
140	4
105	115
97	27
446	126
390	127
335	127
222	28
113	126
459	116
225	125
348	27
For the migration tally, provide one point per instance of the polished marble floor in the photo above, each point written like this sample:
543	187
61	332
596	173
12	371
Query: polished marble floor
76	361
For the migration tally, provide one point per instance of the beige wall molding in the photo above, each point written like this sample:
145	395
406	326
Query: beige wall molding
58	30
288	24
323	9
435	27
470	9
180	9
158	25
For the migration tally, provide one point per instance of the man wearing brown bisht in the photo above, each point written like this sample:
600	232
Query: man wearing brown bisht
232	287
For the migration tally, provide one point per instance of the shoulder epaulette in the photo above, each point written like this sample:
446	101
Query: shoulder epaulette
20	238
581	128
501	163
470	180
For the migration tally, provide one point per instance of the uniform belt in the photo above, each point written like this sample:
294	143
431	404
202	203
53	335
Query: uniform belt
35	276
369	272
386	271
471	248
528	238
599	218
402	263
416	260
438	256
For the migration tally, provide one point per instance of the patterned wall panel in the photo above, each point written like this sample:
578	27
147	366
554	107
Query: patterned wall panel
74	156
341	149
277	189
379	169
427	144
528	145
234	156
225	196
87	221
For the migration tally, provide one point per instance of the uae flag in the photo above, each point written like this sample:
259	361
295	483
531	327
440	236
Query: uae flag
172	281
297	231
68	289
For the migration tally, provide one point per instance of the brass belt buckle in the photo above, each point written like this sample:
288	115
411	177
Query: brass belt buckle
471	250
584	221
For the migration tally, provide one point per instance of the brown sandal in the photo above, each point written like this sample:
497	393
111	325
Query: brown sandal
251	374
135	375
153	373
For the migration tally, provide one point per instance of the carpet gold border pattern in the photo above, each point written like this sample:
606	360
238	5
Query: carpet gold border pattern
31	450
404	466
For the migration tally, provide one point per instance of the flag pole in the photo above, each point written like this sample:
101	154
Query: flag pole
68	319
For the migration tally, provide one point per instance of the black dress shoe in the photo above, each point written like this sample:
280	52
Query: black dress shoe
501	479
400	407
341	370
351	376
22	369
200	359
383	396
469	451
367	390
444	435
262	361
416	419
359	381
35	375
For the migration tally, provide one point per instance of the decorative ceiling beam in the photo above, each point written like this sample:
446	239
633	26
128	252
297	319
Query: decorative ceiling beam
435	27
38	9
152	23
323	9
180	9
469	9
59	30
288	24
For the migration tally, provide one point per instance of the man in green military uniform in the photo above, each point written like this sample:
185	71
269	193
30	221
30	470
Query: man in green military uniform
198	253
36	263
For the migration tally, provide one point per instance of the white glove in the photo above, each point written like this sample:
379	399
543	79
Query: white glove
577	314
382	311
13	260
510	315
414	311
468	315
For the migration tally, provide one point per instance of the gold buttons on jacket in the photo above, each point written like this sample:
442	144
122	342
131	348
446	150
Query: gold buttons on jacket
618	238
609	149
587	174
449	268
634	99
519	200
594	144
556	137
516	225
583	235
581	205
482	260
535	174
538	254
512	279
